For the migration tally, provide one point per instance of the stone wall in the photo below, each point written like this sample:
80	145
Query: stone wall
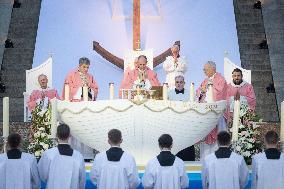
251	33
22	32
273	18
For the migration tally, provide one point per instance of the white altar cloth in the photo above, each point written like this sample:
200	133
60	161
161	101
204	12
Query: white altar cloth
141	125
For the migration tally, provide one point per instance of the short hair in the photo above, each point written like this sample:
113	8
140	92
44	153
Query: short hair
84	60
179	76
63	131
237	70
271	137
114	135
211	63
144	56
175	46
42	75
14	140
224	138
165	141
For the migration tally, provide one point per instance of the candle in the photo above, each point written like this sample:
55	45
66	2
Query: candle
191	92
66	91
165	91
53	117
282	122
85	93
111	91
236	120
209	94
5	117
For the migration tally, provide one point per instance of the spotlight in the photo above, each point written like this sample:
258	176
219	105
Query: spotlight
9	43
2	88
270	88
17	4
263	44
257	5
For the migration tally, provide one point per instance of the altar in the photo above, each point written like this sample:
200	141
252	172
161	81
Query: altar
141	123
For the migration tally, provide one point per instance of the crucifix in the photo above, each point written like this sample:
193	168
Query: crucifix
136	42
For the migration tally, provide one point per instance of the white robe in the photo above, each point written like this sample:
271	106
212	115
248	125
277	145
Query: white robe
172	71
114	174
62	172
165	177
224	173
178	97
267	173
19	173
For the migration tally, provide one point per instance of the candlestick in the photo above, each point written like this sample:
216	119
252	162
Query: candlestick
66	91
53	117
210	94
236	120
5	117
165	91
191	92
85	93
282	122
111	91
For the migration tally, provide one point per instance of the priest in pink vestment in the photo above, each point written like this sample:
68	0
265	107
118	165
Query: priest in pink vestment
79	78
142	76
239	89
219	93
43	95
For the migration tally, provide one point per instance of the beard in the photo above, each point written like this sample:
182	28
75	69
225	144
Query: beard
237	82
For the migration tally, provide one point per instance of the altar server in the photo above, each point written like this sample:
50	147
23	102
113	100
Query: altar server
62	167
18	169
268	166
166	171
79	78
114	168
43	95
174	65
224	169
219	86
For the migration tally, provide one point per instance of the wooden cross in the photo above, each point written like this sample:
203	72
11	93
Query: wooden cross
136	25
136	42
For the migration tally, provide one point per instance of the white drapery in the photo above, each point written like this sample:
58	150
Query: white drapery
141	125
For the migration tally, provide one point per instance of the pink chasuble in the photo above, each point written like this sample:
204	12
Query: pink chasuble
37	95
132	76
245	89
73	79
219	93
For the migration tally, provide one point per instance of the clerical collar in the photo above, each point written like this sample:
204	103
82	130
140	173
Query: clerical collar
223	152
238	86
181	91
272	153
114	153
166	158
65	149
14	154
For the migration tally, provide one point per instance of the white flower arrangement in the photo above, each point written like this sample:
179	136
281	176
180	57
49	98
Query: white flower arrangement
247	144
39	139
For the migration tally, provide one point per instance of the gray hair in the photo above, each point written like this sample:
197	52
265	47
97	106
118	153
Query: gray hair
179	76
211	63
84	60
175	46
41	75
